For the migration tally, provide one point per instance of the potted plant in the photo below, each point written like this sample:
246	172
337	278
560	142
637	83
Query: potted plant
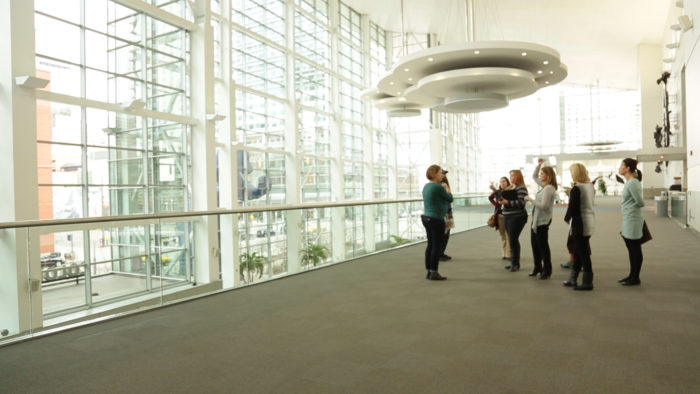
602	187
396	240
251	263
314	254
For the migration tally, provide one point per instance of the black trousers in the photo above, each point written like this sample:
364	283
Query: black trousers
514	226
435	231
634	249
539	240
444	245
582	253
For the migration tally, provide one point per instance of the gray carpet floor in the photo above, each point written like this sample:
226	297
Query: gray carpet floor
375	325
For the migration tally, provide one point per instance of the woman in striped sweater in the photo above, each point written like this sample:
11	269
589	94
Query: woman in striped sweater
515	216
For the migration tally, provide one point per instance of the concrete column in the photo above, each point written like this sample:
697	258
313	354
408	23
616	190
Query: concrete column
20	307
292	159
651	106
204	146
337	168
228	163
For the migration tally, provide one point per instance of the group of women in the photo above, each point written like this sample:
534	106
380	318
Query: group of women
510	200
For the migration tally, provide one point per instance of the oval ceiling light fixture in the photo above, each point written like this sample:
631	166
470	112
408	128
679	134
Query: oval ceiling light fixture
467	77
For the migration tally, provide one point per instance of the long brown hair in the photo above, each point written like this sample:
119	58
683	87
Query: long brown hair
551	175
519	180
507	182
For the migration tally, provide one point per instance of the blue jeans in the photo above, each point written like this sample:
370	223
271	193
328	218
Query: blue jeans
435	231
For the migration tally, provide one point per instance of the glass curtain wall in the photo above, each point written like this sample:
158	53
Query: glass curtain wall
116	130
113	134
563	124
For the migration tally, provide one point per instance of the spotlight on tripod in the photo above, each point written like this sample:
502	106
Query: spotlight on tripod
664	77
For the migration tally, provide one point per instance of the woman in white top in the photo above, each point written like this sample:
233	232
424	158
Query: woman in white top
632	219
541	219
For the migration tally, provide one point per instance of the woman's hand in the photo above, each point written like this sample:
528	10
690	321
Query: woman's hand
492	187
503	201
528	198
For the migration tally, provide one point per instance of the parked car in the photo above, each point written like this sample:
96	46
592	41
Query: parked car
51	259
263	232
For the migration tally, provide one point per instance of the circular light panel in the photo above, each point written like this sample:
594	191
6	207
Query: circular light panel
473	102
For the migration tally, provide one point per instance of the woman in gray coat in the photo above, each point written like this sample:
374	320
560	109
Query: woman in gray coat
541	219
581	219
632	219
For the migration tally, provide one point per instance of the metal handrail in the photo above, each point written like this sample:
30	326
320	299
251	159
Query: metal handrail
222	211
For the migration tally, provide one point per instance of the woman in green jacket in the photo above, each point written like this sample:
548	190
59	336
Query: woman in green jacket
632	219
436	201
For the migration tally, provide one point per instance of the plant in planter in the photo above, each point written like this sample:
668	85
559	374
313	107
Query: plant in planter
314	254
251	263
602	187
396	240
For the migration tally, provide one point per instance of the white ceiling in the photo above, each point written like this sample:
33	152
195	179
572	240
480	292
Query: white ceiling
597	39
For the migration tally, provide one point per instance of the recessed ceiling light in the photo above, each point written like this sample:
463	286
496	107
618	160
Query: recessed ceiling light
545	62
546	82
524	53
539	71
551	72
391	83
430	59
410	79
398	94
405	69
402	98
477	52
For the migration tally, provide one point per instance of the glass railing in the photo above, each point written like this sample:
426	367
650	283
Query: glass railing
59	273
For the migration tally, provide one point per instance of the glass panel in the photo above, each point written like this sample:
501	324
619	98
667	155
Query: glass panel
68	10
354	231
353	181
56	39
313	86
316	237
65	78
64	162
315	180
260	121
58	123
315	133
258	65
62	271
263	17
311	40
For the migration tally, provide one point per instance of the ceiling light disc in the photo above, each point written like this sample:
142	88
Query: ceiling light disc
403	113
473	102
509	82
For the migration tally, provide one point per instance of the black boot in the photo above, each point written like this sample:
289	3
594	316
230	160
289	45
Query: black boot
546	271
586	282
536	270
573	277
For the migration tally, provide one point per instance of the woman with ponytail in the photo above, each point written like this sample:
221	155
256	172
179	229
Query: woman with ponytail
632	219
